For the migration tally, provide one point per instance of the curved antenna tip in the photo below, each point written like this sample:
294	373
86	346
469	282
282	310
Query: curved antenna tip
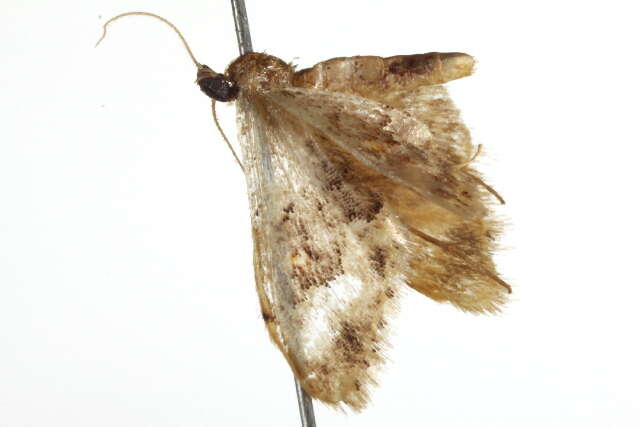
152	15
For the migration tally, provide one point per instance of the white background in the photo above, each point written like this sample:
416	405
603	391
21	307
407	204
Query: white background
126	284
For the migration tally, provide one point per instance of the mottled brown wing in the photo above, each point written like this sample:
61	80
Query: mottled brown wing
390	141
329	256
433	107
418	169
413	84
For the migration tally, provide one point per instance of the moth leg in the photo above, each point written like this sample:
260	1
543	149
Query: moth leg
471	159
478	180
215	119
487	187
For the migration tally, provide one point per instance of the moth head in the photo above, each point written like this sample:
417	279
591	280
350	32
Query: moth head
216	85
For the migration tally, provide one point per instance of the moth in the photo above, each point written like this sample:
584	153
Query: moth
360	182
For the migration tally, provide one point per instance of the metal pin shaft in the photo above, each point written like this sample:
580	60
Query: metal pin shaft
307	417
242	26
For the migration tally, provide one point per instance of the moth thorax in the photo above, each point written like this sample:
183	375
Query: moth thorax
216	85
259	72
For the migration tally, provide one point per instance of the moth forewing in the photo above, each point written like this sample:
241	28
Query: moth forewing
324	307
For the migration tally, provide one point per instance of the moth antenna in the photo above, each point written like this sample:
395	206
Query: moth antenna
122	15
215	119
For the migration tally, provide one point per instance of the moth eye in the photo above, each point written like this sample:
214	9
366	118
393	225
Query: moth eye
219	88
216	85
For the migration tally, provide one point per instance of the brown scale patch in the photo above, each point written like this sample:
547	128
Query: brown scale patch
268	317
334	118
388	138
349	344
302	231
366	207
288	210
348	338
390	293
311	145
335	175
378	259
320	267
414	64
338	254
311	253
308	278
372	209
324	369
356	201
